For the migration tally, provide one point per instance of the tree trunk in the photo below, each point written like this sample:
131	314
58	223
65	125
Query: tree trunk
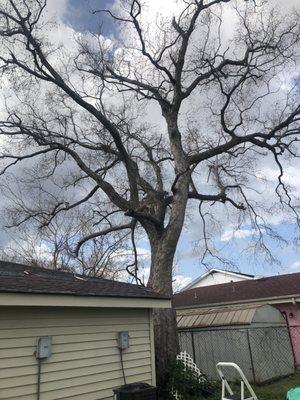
163	248
165	327
166	340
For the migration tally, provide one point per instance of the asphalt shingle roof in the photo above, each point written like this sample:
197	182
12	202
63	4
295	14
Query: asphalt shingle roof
269	287
20	278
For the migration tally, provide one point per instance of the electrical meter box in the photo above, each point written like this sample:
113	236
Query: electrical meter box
123	340
43	348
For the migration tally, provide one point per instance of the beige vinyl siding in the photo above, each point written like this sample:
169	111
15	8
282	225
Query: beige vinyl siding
85	362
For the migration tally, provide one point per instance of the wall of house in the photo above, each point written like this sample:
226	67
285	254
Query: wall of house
85	361
218	278
292	313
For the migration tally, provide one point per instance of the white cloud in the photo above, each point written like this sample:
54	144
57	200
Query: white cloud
44	252
124	255
56	8
291	175
180	281
295	266
238	234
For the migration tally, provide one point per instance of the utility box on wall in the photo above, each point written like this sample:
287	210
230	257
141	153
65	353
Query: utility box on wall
43	348
123	340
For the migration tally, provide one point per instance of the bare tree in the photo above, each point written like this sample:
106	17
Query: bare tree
173	112
52	247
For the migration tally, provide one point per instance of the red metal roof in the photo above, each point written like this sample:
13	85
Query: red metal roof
269	287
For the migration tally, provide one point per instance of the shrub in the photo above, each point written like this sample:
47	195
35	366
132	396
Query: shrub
185	383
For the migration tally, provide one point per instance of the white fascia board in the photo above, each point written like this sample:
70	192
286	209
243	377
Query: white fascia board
53	300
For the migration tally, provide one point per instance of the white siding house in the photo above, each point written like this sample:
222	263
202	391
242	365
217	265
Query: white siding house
217	277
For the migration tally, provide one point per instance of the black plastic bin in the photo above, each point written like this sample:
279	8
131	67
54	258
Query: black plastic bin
136	391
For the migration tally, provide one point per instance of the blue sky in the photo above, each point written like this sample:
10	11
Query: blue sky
188	264
287	255
82	19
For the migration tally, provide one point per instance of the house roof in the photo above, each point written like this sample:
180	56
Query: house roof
18	278
235	273
214	270
273	287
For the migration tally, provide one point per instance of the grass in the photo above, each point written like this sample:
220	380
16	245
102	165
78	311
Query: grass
271	391
277	390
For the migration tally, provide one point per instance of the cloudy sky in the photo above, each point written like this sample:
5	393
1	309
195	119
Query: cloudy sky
75	16
232	243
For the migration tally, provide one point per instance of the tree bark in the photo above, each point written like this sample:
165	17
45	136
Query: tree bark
163	247
166	340
165	327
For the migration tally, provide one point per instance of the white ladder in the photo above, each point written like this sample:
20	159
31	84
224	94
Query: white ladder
226	387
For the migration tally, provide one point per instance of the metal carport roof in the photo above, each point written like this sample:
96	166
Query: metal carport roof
216	316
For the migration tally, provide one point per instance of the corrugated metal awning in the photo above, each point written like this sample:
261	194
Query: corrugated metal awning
216	316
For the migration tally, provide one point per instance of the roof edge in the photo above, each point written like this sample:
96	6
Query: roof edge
16	299
265	300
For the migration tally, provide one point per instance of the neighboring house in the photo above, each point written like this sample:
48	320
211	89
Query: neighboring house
281	291
216	277
76	321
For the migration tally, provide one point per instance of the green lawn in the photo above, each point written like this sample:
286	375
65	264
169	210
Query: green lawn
272	391
277	390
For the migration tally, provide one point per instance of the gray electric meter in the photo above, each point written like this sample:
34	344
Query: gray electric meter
43	348
123	340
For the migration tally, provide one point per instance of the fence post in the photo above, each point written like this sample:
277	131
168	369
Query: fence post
193	347
251	356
